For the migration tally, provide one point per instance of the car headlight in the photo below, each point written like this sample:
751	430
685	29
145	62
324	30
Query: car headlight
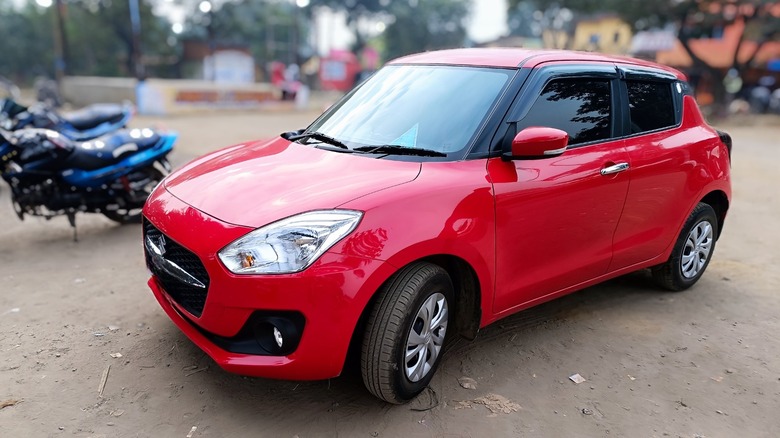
289	245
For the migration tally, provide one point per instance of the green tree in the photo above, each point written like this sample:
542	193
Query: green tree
98	35
416	25
699	19
26	41
357	10
272	30
546	20
428	25
693	19
101	40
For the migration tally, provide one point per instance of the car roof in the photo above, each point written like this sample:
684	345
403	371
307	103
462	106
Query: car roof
527	58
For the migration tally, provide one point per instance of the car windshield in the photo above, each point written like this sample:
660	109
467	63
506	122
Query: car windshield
438	108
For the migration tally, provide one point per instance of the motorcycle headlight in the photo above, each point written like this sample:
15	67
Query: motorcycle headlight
289	245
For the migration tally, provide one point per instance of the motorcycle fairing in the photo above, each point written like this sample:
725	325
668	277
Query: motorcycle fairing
103	175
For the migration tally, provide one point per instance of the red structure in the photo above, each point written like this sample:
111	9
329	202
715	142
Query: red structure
338	70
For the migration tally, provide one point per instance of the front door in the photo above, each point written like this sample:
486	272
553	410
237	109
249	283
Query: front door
556	217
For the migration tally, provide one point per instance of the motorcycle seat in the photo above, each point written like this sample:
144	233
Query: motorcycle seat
94	115
111	148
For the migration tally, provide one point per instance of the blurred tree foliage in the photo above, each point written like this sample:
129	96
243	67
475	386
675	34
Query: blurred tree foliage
99	39
691	19
431	25
101	42
415	25
267	27
549	21
25	41
356	11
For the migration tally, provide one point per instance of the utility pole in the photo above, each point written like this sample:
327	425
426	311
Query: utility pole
212	46
294	36
135	24
207	8
60	42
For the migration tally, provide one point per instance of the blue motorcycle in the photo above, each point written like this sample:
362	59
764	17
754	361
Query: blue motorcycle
52	175
84	124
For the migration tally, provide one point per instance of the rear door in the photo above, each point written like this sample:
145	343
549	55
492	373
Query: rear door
661	162
556	217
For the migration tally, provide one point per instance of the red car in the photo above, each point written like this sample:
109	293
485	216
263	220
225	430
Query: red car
448	191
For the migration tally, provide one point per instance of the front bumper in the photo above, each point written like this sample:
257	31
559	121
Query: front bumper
331	295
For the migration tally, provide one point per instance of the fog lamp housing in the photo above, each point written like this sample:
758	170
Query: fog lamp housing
276	335
265	333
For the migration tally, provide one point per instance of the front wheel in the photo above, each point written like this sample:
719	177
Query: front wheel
406	331
141	183
692	252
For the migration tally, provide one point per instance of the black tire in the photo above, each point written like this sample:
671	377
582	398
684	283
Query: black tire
130	213
389	326
671	274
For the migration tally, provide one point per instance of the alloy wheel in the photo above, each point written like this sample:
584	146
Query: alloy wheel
697	249
426	337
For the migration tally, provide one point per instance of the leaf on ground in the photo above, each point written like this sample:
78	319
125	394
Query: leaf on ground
496	404
8	403
467	383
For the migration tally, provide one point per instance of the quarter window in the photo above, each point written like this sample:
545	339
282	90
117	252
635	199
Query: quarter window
651	106
581	107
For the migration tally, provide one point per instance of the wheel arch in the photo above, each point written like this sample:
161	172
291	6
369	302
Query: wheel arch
719	201
468	296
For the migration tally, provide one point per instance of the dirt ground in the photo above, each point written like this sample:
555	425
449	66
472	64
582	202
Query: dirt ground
705	362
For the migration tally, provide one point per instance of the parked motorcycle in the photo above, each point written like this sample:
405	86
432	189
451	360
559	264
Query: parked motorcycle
51	175
8	88
84	124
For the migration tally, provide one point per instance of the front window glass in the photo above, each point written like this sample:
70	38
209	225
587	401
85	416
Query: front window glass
581	107
417	106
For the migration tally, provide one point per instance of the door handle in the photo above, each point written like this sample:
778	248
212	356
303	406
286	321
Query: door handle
617	168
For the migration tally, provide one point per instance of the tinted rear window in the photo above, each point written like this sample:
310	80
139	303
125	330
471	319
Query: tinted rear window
651	106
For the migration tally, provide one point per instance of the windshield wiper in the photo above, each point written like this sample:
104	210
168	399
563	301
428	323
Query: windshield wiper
393	149
325	138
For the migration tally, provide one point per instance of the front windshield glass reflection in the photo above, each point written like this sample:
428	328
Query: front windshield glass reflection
417	106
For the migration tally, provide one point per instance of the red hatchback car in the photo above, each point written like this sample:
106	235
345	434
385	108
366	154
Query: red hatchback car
448	191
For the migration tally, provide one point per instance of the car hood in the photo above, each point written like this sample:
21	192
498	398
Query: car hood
258	183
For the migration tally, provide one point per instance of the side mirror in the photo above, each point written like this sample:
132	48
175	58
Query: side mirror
537	142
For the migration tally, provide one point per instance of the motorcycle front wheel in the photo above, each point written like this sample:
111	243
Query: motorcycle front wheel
130	213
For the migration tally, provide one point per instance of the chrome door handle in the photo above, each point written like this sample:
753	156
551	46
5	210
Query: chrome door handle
617	168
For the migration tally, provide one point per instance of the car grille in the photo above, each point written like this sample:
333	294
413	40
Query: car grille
191	298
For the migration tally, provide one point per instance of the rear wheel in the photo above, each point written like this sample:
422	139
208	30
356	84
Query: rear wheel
692	252
142	183
406	331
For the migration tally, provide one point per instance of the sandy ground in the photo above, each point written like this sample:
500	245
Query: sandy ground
701	363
